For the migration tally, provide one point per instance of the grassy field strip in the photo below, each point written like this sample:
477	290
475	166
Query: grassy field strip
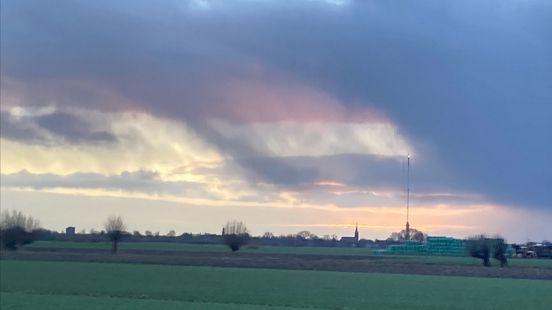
262	287
447	260
23	301
167	246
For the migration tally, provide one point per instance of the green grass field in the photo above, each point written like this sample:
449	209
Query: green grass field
448	260
167	246
70	285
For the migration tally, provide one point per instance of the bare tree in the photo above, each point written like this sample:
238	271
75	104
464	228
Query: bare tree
235	235
415	235
305	234
15	218
171	233
16	229
115	228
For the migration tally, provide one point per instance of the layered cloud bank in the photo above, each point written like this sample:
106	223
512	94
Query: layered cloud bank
284	176
251	111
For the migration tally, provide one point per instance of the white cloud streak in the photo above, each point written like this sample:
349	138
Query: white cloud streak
289	138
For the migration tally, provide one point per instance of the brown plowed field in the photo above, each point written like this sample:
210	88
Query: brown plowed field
382	264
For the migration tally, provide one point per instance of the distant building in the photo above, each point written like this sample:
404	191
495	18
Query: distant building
70	231
350	241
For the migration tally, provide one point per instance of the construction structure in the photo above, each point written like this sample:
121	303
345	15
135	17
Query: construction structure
443	246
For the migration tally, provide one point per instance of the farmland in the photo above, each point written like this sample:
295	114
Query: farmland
155	275
62	285
330	251
172	246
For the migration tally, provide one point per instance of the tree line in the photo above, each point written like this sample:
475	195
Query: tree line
17	229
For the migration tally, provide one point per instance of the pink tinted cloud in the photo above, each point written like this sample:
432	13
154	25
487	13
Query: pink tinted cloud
249	93
256	101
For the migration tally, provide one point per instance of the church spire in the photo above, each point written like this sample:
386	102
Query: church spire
356	232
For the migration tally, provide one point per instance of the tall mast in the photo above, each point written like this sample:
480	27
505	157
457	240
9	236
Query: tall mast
407	197
408	188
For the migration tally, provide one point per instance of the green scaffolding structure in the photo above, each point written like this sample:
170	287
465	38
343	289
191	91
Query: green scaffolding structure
444	246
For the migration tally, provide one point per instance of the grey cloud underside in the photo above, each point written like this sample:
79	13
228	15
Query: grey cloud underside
366	172
18	132
376	176
65	128
469	80
135	181
72	128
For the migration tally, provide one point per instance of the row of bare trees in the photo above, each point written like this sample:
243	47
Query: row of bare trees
16	229
234	233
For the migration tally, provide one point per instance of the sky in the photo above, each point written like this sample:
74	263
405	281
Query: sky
287	115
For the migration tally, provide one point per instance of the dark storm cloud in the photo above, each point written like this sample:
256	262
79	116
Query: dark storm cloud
470	80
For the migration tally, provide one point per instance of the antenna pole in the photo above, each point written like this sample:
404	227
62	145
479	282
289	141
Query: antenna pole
408	198
408	188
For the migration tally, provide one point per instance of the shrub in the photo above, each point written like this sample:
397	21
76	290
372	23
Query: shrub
14	237
499	251
479	247
482	247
